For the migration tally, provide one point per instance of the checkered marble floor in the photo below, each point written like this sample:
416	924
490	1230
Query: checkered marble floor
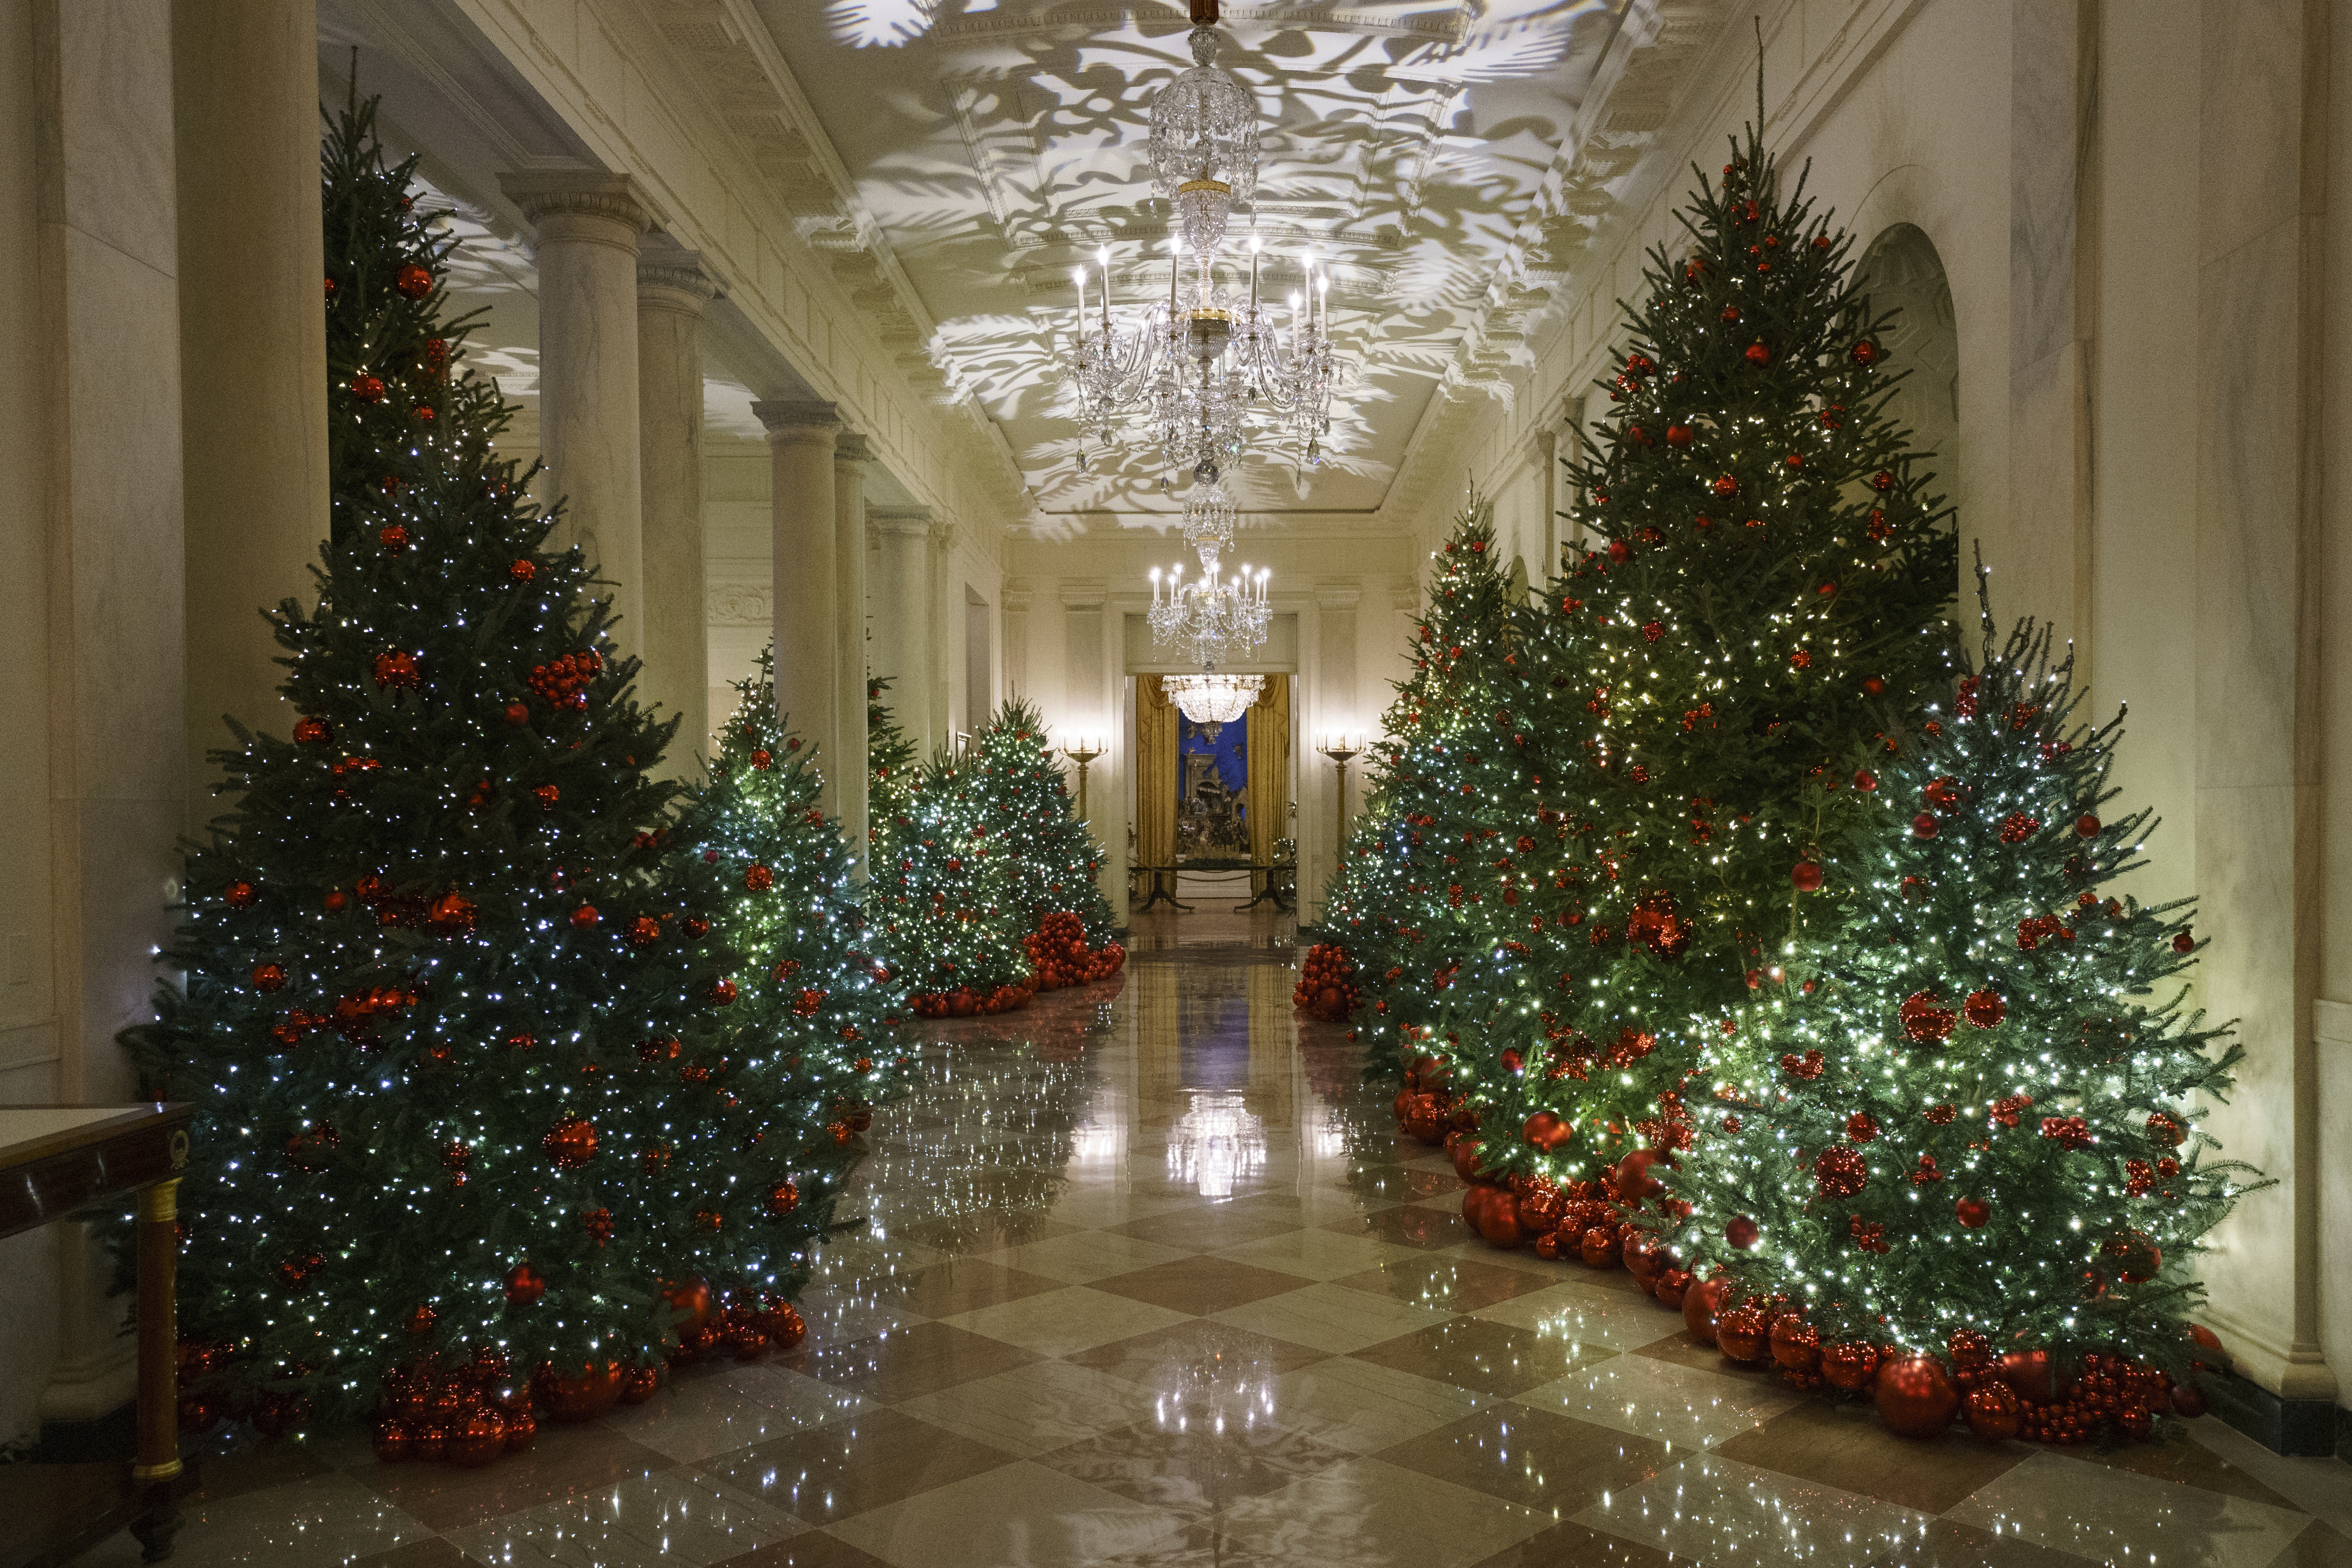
1147	1279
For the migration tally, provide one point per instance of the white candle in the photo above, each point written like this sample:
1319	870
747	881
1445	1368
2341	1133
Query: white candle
1078	276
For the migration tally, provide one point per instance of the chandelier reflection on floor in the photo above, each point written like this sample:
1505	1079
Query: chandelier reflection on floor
1197	366
1216	1144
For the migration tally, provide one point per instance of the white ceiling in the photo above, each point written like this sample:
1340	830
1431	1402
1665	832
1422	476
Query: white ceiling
993	143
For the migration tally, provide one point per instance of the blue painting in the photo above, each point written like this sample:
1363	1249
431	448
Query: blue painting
1211	779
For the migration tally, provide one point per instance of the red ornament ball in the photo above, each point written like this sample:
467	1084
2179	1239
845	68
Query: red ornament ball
1916	1396
723	993
1993	1412
1742	1333
759	880
412	280
397	668
1547	1133
1806	877
1839	1173
522	570
239	895
1742	1232
1849	1366
1866	353
783	1198
585	916
268	977
394	537
1924	826
2184	943
1972	1213
1925	1017
570	1143
310	731
517	714
421	1320
1678	434
1985	1008
367	388
1757	354
761	759
525	1285
2086	826
1702	1307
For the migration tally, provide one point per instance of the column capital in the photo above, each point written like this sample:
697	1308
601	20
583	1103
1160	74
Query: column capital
593	196
852	446
899	521
1338	594
1084	592
676	280
799	422
1016	594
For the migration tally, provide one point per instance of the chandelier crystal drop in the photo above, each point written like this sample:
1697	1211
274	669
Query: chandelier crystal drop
1208	517
1213	701
1203	366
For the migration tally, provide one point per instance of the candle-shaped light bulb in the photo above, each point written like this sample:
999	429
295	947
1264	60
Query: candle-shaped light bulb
1078	276
1323	304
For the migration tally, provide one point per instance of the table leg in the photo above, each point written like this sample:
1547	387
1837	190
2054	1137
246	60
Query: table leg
159	1393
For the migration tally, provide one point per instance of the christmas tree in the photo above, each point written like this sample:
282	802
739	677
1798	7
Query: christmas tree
890	760
791	1069
1716	686
422	955
947	899
1066	921
1965	1124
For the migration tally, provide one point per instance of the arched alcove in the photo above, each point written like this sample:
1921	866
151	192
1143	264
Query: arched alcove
1900	271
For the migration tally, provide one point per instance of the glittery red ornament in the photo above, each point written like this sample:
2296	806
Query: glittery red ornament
783	1198
239	895
761	759
525	1285
1924	1019
1915	1397
394	537
397	667
1862	1127
1984	1008
723	993
312	731
643	932
758	880
570	1143
598	1224
412	280
367	388
1840	1172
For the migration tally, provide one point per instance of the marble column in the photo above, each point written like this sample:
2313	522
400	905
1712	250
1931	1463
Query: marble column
851	453
672	289
586	226
800	438
947	634
903	615
1013	598
254	463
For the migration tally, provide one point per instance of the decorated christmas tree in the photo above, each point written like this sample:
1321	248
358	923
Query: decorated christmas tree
1053	859
423	957
1965	1125
890	762
946	900
1720	681
791	1069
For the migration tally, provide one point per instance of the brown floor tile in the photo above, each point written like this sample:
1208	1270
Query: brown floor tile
1204	1227
815	1549
1611	1278
1197	1470
431	1553
1449	1284
985	1231
906	1363
1199	1285
1682	1350
1946	1543
962	1284
1485	1358
564	1462
253	1465
1409	1225
1539	1460
1844	1445
1574	1546
2319	1546
849	1466
1164	1357
1405	1183
2191	1464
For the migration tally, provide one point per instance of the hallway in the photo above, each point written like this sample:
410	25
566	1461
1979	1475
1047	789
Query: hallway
1149	1279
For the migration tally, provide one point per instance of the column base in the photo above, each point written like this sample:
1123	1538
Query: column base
89	1440
2294	1427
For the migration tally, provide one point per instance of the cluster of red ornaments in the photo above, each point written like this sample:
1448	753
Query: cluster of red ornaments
1327	984
564	683
965	1002
741	1325
467	1414
1058	952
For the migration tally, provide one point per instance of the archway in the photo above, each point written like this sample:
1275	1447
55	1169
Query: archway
1900	271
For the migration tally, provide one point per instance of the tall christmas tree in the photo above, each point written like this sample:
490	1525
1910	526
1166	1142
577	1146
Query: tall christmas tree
946	900
791	1069
891	762
1966	1125
421	955
1066	921
1720	680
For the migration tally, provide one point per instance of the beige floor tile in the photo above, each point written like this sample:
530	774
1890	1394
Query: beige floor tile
2220	1458
1317	1254
1021	1514
1492	1358
1037	1408
1367	1514
674	1517
321	1519
1075	1318
1675	1404
1718	1510
1353	1404
1579	1314
693	1420
2123	1517
1331	1318
804	1399
1845	1445
1198	1457
1086	1256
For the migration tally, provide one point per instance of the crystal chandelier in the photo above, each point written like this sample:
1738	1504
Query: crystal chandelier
1213	619
1198	367
1209	701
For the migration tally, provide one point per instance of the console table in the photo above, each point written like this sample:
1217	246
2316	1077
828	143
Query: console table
58	1161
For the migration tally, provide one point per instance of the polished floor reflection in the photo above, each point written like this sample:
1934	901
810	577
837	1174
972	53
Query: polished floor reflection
1147	1278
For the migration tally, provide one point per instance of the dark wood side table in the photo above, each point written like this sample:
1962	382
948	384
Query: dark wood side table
58	1161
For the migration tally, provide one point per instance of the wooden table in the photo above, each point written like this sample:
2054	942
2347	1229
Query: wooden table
58	1161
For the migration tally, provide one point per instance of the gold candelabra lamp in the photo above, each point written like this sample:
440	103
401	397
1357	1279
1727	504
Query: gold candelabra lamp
1342	749
1083	750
